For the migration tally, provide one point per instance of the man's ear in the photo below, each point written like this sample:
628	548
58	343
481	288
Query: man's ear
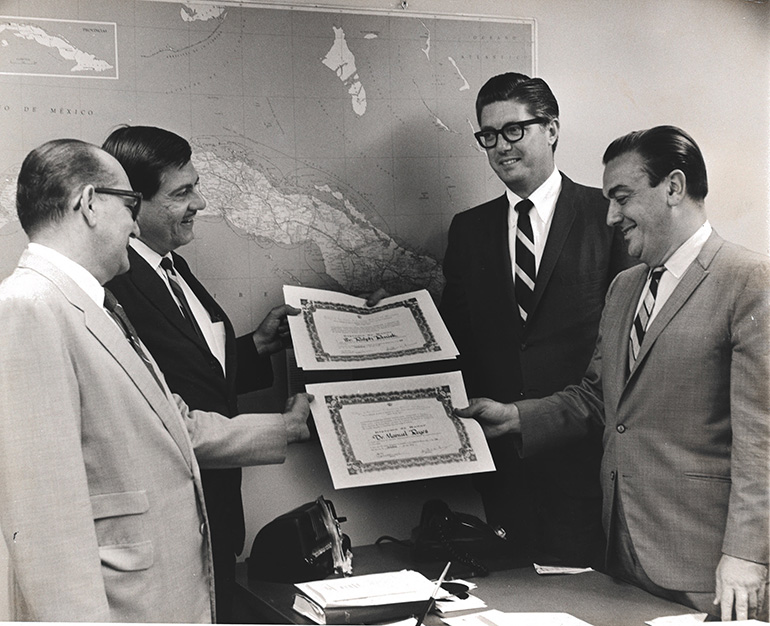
552	130
86	205
676	187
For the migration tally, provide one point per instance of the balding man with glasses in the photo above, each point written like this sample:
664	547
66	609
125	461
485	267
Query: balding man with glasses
526	274
102	508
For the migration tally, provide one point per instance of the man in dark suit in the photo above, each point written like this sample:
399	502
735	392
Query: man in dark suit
525	318
679	384
187	332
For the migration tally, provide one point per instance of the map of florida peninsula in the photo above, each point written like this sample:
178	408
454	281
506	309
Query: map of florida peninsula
356	254
340	59
83	61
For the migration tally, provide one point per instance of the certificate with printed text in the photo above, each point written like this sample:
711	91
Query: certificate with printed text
336	331
397	429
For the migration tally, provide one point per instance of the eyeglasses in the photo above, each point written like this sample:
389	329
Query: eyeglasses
134	207
512	132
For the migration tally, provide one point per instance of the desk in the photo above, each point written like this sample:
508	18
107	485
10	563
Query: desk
593	597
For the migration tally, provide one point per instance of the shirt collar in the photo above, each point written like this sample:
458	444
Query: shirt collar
543	198
685	254
147	253
79	274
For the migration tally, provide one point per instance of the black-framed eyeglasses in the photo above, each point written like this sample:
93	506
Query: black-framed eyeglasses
134	207
512	132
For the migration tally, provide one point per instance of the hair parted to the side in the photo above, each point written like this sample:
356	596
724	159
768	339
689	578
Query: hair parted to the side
663	150
146	152
51	176
532	92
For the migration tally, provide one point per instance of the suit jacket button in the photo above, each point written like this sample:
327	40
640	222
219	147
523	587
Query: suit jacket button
621	428
523	347
612	475
203	528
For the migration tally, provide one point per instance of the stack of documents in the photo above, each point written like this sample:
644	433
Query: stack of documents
364	599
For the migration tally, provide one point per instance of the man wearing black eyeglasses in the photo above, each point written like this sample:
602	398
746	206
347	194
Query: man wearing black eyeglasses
526	274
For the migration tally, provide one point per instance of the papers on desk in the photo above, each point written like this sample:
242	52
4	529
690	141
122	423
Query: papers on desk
337	331
499	618
454	604
694	618
363	599
397	429
549	570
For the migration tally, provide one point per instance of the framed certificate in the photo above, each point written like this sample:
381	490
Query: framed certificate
336	331
397	429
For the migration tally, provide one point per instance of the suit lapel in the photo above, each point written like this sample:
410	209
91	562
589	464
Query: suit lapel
147	281
689	283
112	338
215	311
563	217
616	338
98	323
492	246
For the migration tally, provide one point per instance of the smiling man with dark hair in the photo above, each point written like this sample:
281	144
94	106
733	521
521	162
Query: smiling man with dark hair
679	383
186	330
523	297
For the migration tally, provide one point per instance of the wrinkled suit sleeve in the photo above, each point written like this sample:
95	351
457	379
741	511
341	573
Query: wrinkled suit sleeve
454	306
253	370
746	533
560	418
242	441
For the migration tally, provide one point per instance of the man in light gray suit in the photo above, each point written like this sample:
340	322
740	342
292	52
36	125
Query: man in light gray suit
101	503
680	380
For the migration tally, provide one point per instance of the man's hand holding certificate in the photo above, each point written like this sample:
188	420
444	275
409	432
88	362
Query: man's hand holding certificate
389	429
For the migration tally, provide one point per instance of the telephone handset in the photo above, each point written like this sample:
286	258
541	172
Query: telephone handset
460	537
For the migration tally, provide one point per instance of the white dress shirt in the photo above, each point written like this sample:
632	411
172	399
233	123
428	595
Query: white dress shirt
676	265
544	200
213	332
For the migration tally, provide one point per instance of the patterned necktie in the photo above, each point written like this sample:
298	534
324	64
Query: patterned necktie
524	282
173	280
117	313
639	327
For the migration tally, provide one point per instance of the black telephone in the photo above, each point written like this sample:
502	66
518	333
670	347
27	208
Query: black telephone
444	534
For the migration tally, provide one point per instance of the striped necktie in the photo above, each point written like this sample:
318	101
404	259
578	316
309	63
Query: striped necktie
118	314
639	327
524	282
176	287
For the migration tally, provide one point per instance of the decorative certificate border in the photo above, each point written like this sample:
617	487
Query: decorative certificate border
441	394
309	308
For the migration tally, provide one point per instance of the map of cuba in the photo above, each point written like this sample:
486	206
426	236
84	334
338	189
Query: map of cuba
356	255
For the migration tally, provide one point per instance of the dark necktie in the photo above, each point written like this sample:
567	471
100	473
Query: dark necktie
639	327
524	282
173	280
117	313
